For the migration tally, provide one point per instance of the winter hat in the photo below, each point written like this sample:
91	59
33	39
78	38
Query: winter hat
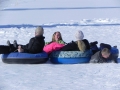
39	30
79	35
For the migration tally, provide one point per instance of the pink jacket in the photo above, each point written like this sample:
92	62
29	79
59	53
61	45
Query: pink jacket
52	47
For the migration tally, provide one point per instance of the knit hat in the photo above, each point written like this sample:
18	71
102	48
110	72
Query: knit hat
39	30
79	35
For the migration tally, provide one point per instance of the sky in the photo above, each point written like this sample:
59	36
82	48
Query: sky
98	19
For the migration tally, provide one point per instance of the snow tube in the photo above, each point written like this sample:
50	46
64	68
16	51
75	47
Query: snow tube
24	58
115	53
70	57
114	50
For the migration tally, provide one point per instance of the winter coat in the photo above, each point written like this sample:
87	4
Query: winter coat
35	45
74	47
97	58
52	47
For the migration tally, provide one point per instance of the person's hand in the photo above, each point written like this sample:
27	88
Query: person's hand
20	49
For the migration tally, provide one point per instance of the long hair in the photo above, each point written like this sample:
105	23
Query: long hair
81	45
53	37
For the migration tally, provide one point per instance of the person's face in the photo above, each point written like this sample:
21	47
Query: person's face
105	55
57	36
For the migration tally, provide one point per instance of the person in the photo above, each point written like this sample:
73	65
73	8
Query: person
35	44
93	46
56	44
105	55
101	56
56	37
79	45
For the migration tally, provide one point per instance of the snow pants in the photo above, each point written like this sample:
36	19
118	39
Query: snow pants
4	49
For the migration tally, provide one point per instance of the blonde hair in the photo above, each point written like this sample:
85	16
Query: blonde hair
53	37
105	51
81	45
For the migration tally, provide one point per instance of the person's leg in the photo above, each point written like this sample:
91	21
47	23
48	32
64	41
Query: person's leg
13	47
4	49
93	47
15	44
114	54
114	58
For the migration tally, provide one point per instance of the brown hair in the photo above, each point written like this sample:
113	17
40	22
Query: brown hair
81	45
53	37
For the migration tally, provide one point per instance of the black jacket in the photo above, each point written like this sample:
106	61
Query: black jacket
74	47
35	45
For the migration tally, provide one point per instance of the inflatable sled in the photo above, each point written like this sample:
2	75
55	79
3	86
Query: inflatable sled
24	58
115	53
118	60
70	57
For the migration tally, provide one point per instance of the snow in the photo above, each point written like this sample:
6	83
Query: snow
98	19
60	77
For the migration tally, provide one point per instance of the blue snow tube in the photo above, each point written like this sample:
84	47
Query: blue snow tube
115	54
24	58
70	57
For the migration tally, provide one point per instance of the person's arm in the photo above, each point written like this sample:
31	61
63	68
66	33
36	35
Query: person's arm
28	48
20	49
94	58
35	45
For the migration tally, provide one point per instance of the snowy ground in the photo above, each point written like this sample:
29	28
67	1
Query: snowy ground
98	19
60	77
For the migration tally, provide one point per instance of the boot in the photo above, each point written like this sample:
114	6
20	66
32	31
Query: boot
11	46
8	43
15	44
